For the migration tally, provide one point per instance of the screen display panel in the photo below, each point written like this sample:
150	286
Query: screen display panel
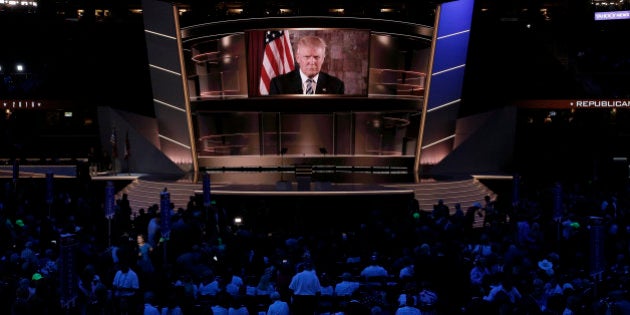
277	63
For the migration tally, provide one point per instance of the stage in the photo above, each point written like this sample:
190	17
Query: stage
315	193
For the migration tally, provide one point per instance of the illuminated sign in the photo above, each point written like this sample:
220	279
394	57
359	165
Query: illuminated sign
600	103
613	15
575	103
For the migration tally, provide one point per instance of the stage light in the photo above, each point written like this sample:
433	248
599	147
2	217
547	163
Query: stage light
235	11
238	220
19	67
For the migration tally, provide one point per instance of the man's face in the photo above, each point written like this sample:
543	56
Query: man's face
310	59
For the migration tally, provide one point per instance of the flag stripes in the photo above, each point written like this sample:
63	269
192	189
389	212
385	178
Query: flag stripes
277	58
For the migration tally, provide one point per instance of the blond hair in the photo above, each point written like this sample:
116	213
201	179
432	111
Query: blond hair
312	41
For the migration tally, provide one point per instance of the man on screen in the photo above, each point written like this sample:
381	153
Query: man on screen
308	78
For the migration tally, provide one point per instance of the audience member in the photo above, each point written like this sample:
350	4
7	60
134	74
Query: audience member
221	306
237	306
374	271
145	260
408	308
504	295
277	306
306	289
347	286
126	286
149	304
172	304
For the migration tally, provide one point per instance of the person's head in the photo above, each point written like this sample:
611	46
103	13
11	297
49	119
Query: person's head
307	265
310	54
149	297
124	266
274	296
346	276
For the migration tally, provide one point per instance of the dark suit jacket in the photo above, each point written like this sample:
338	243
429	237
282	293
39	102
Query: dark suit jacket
291	83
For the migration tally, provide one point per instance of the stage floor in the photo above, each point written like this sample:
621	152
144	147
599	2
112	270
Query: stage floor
278	200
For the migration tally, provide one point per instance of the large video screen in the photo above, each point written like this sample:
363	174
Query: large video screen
281	61
262	63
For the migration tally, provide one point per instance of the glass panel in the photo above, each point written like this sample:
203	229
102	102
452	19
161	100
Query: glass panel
228	134
306	134
270	139
343	134
365	133
398	66
381	133
218	68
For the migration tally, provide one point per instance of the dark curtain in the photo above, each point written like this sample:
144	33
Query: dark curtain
255	48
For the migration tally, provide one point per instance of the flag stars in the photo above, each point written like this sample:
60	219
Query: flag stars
272	35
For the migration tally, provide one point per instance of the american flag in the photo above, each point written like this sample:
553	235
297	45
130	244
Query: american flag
278	58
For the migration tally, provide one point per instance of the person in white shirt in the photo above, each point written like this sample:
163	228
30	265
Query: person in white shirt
408	308
222	304
277	306
374	270
306	289
234	282
208	286
407	272
237	307
126	285
506	287
479	271
346	287
149	307
171	306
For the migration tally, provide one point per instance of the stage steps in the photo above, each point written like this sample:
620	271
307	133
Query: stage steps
143	193
464	191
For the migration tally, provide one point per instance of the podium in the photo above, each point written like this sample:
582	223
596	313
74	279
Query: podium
303	176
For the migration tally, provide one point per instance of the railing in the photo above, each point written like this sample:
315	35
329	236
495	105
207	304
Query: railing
316	169
396	82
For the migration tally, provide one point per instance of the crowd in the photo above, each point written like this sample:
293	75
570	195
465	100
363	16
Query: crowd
528	257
